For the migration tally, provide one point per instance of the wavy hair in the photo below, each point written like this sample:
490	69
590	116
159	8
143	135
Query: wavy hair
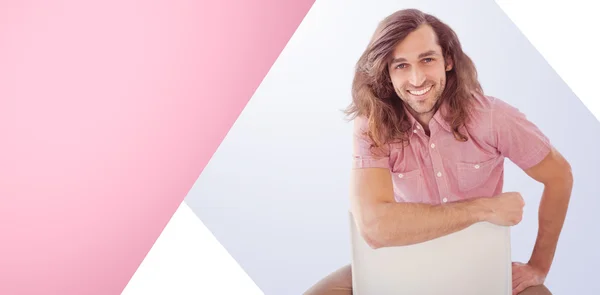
373	95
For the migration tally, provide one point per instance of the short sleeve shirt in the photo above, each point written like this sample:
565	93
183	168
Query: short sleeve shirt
438	168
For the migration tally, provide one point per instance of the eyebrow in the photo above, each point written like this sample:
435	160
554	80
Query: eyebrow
422	55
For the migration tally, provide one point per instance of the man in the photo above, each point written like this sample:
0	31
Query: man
429	150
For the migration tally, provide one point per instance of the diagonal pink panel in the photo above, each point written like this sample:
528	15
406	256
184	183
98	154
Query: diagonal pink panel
109	111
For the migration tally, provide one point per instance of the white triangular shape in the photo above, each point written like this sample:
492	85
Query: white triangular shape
565	34
188	259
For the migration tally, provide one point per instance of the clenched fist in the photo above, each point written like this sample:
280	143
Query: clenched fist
505	209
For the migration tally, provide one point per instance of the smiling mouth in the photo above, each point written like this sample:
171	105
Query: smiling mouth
420	92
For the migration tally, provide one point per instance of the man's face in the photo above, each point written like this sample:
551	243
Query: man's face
418	71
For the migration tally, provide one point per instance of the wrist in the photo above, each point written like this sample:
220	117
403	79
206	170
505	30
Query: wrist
481	210
543	268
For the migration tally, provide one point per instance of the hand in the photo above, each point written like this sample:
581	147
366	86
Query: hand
525	276
505	209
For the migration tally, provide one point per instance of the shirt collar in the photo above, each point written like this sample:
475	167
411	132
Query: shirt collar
440	114
438	117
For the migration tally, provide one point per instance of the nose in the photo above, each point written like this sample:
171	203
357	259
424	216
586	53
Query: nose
417	77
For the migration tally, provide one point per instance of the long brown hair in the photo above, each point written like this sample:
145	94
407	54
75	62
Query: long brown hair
373	95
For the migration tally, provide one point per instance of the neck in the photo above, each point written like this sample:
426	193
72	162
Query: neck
424	119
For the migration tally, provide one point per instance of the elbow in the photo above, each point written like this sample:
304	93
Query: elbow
559	176
567	170
569	179
372	234
567	175
374	225
372	240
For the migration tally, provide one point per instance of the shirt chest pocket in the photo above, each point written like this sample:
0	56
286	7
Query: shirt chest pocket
408	186
473	175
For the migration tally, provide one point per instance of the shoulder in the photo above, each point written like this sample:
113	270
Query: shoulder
361	123
361	128
485	110
480	112
489	116
486	105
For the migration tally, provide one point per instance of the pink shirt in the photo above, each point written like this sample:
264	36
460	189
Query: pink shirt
438	169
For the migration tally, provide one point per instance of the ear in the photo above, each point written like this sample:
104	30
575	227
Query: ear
449	64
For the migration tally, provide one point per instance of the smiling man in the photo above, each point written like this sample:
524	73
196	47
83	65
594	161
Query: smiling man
429	150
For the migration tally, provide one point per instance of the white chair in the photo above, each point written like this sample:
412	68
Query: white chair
474	261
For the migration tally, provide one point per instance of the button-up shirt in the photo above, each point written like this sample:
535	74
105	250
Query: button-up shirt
438	168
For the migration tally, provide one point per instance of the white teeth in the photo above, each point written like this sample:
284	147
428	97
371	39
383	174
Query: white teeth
420	92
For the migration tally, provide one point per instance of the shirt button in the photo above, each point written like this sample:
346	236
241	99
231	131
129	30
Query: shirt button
400	175
433	145
439	174
415	131
445	200
476	166
418	127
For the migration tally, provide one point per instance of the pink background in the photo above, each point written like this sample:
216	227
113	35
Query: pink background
109	111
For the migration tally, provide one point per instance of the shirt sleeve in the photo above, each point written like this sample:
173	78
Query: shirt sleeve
363	156
517	138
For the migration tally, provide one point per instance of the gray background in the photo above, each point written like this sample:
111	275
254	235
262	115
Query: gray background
275	193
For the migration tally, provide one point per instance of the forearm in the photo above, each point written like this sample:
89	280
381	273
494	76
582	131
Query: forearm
552	213
397	224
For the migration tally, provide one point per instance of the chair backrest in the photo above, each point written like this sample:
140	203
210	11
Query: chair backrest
474	261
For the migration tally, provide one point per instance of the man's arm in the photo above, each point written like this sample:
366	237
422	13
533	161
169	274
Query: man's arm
383	222
555	173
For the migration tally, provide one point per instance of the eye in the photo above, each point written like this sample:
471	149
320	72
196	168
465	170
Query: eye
428	60
401	66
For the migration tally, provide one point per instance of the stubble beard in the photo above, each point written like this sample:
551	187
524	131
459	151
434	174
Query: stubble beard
430	105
